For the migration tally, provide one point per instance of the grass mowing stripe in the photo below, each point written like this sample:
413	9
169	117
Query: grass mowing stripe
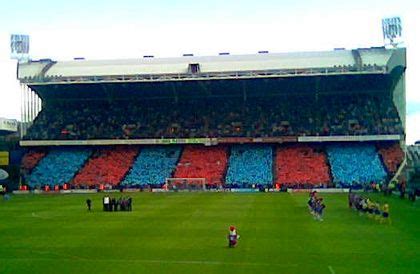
186	233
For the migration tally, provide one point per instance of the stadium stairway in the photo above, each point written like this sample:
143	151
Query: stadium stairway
58	167
301	165
250	164
392	156
203	162
108	166
355	164
153	166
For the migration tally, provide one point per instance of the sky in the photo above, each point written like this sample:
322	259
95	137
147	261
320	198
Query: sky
105	29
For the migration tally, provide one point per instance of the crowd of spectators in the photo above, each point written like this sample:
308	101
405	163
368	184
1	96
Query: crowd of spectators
31	159
250	165
58	167
301	165
153	166
106	166
293	115
355	164
392	156
203	162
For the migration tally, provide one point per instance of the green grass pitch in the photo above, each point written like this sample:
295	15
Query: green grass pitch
186	233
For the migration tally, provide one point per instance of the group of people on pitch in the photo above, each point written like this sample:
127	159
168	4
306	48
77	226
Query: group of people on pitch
113	204
367	206
316	205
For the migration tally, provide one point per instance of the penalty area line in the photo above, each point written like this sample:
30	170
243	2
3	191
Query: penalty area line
331	269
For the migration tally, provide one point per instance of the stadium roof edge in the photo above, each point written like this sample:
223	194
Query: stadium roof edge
357	60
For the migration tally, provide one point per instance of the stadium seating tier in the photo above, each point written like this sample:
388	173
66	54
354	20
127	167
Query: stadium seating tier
250	164
392	155
58	167
108	166
153	166
301	165
203	162
31	159
355	164
291	115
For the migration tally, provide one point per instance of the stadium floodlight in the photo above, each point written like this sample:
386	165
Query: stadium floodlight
392	29
19	47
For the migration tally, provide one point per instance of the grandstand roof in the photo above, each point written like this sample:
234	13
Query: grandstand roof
355	60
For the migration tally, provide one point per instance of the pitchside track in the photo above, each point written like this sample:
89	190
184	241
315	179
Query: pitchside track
186	233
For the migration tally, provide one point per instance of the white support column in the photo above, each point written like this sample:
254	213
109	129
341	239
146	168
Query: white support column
32	105
25	117
28	91
22	86
39	104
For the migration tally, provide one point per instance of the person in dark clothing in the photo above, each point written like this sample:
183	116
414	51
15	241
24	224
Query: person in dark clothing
89	204
113	204
120	205
402	189
116	205
129	203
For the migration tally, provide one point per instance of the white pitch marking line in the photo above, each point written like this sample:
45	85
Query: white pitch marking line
37	216
331	269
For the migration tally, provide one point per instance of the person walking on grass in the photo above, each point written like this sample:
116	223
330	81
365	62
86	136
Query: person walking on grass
385	214
89	204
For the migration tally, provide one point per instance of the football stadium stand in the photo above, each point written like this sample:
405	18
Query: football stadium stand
392	156
333	118
250	164
108	166
153	166
203	162
355	164
301	166
58	167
